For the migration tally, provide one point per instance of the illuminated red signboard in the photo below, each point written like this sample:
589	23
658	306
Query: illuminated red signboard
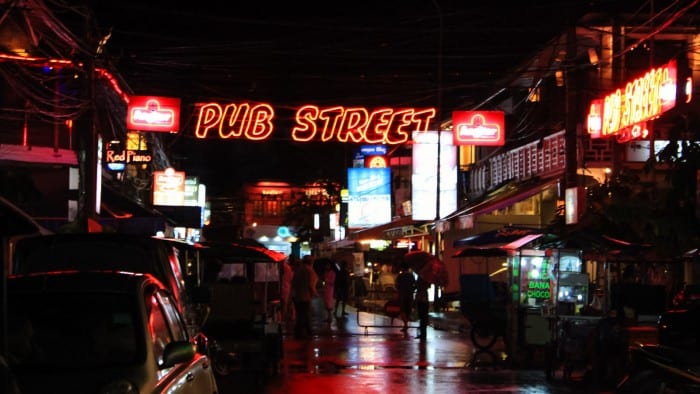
624	112
150	113
354	124
483	128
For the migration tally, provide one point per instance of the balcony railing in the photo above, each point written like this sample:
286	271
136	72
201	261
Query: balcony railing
546	157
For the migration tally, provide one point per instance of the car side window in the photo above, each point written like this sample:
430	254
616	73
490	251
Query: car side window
172	317
159	330
176	267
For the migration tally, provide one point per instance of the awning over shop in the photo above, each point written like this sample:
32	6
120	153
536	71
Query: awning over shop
505	196
37	155
400	228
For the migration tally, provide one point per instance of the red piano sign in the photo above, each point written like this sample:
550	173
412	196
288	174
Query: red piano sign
482	128
151	113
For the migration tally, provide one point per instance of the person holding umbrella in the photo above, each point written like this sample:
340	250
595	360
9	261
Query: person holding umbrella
422	307
430	270
405	286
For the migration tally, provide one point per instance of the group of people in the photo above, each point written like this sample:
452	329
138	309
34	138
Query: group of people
301	283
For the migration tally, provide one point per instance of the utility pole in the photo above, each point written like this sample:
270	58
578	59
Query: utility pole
572	102
87	141
438	240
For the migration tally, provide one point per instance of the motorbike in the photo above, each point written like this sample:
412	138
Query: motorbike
661	369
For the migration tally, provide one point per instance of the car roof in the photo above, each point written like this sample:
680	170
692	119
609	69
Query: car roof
41	252
88	282
18	216
99	235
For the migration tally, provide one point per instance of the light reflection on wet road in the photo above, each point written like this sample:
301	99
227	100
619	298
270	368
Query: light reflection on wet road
345	357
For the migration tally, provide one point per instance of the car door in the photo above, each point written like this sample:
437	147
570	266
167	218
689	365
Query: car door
166	323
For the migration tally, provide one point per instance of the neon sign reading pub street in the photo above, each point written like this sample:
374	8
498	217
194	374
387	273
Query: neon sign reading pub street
343	124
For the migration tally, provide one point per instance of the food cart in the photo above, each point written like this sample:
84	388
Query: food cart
553	293
240	290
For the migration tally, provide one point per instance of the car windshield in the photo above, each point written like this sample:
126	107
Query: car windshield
73	331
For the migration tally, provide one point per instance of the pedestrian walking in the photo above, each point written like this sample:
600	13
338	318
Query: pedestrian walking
303	290
405	287
288	267
422	307
328	289
342	288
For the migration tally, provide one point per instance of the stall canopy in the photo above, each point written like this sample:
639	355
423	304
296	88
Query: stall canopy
497	242
605	245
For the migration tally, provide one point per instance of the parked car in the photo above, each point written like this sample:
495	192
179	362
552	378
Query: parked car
104	251
101	332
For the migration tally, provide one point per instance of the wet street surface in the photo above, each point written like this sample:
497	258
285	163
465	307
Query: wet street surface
367	353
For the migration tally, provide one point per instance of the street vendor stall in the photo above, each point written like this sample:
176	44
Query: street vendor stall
538	283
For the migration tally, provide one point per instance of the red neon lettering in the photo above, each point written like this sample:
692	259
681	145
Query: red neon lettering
209	116
404	121
262	127
353	122
255	122
305	129
377	123
422	118
356	124
330	116
232	112
642	99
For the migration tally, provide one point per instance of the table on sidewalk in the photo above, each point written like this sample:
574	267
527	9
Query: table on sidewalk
379	309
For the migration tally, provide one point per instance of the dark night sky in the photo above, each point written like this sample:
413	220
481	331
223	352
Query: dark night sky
359	53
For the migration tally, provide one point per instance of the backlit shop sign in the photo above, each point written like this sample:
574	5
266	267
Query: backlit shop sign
151	113
624	112
116	157
343	124
480	128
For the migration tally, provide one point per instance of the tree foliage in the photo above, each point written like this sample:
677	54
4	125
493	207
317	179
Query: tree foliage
663	215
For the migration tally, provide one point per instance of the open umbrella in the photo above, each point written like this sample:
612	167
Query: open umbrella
428	267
